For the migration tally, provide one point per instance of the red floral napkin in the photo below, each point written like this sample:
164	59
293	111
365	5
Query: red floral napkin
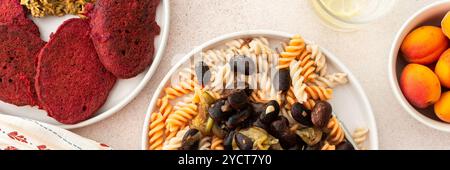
24	134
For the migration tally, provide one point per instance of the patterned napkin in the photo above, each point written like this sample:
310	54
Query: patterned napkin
25	134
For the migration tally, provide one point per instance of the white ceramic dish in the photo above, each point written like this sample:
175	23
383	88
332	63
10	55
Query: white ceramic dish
350	102
123	92
430	15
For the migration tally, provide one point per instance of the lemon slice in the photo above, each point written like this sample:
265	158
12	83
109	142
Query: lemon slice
344	8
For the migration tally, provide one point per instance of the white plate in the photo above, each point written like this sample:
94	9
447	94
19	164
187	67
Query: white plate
123	92
350	103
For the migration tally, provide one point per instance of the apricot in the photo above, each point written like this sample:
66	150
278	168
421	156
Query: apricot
445	24
420	85
442	69
424	45
442	107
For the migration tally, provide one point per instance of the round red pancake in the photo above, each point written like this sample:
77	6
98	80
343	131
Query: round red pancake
18	51
123	33
12	13
71	83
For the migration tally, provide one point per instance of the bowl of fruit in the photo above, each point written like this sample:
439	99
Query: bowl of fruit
419	66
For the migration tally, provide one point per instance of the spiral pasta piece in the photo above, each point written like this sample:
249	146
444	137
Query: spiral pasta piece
165	108
186	74
257	97
336	134
223	77
308	68
319	93
156	132
215	57
309	104
175	142
360	136
237	44
205	143
216	143
328	147
294	49
185	87
183	113
319	59
290	98
259	45
298	82
331	80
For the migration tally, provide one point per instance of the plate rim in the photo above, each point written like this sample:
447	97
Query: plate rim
374	131
155	64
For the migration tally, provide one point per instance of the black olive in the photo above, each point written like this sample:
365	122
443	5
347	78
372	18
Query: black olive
271	112
321	114
243	65
301	114
220	110
259	107
219	130
238	100
243	142
345	146
259	124
282	80
202	72
280	129
191	139
240	117
279	125
228	140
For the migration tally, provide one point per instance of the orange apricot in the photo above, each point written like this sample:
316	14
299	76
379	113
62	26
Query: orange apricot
420	85
424	45
442	69
442	107
445	24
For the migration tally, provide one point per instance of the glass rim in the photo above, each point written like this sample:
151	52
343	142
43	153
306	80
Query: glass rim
361	22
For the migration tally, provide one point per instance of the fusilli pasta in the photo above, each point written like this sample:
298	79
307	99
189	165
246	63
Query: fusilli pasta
319	59
205	143
298	82
319	93
294	49
156	133
336	134
331	80
175	142
165	108
217	143
188	104
183	113
360	136
309	104
327	146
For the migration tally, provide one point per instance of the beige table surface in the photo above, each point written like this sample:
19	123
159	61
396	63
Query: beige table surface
365	53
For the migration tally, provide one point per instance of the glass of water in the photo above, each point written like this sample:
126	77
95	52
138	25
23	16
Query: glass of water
350	15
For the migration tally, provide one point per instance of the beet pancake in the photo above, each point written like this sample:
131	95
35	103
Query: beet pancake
71	83
12	13
123	33
18	51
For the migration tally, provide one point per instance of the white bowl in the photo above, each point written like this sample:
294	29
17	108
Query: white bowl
430	15
350	102
123	92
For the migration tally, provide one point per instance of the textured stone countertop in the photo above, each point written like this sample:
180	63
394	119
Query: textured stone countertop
364	52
